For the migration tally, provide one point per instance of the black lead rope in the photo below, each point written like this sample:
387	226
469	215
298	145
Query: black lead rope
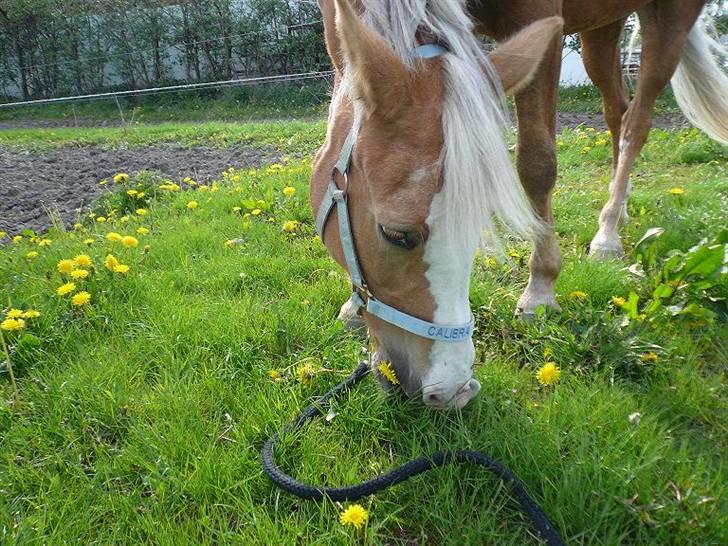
422	464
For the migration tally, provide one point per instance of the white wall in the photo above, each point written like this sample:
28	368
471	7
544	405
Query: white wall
572	68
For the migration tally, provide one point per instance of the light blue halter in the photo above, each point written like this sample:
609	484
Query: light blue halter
335	197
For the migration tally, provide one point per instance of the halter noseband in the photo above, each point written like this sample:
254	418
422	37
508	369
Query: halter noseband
338	198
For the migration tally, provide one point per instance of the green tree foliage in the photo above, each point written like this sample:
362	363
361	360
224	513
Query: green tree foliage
55	47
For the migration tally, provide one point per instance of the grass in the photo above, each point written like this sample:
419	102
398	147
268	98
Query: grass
140	417
257	103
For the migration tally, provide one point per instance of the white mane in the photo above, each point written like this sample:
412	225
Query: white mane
479	179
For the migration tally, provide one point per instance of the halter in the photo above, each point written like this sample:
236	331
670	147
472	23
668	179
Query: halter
336	197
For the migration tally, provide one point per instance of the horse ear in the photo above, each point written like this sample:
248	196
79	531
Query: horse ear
518	58
379	77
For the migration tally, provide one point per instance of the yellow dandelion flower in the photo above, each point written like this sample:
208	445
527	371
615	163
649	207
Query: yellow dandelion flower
619	301
14	313
79	274
121	268
354	515
124	219
44	242
289	191
290	225
31	314
32	254
141	212
78	226
578	295
274	375
12	324
111	262
548	352
101	219
81	299
676	191
256	212
65	289
237	209
649	357
131	193
130	242
103	182
142	230
385	368
548	373
202	188
88	242
65	266
192	205
17	238
121	178
113	237
305	372
82	260
3	234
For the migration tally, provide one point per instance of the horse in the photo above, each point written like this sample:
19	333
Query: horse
414	174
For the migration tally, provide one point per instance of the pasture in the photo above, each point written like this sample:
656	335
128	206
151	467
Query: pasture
138	416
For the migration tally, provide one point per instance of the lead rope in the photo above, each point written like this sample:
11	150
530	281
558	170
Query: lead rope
538	518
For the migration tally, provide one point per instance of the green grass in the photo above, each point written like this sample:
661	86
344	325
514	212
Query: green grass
265	102
140	419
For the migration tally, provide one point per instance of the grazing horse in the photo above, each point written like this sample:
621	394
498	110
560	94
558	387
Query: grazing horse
415	166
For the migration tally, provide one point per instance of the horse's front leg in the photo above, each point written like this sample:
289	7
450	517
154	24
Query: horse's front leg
536	163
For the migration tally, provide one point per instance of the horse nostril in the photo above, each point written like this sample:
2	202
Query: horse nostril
431	399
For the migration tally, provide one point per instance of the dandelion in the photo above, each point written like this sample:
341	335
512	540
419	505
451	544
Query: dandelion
101	219
676	191
113	237
103	182
548	352
354	515
578	295
130	242
141	212
237	209
31	314
65	266
548	373
290	225
256	212
31	255
132	193
124	219
619	301
44	242
65	289
305	373
12	324
88	242
111	262
121	268
586	150
79	274
192	205
81	299
78	226
274	375
385	368
289	191
121	178
82	260
14	313
17	238
649	357
142	230
3	234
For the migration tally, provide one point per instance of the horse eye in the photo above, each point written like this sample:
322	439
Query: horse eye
404	239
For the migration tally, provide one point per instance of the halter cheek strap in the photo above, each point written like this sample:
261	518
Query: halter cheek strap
335	197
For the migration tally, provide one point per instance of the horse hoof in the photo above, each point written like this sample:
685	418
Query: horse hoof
604	252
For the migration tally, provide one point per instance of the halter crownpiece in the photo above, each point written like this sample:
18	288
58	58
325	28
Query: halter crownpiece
335	197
